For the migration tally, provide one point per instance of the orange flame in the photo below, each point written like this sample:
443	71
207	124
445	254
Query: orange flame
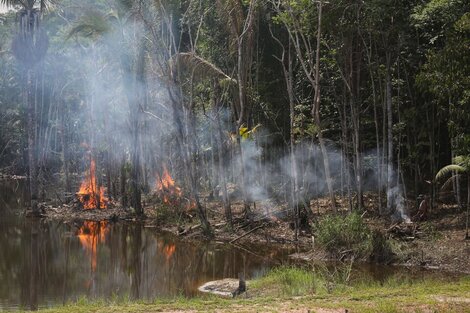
90	195
169	250
90	234
167	187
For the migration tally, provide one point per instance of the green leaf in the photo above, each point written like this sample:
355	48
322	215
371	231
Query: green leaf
450	168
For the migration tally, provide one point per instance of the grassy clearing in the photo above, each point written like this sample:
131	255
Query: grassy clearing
289	289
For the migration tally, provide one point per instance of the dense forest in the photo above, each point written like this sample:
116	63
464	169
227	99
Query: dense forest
283	100
297	155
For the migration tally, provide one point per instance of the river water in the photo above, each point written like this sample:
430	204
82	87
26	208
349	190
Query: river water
50	263
44	264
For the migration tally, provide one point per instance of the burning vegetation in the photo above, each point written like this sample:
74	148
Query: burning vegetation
90	194
167	189
169	250
170	193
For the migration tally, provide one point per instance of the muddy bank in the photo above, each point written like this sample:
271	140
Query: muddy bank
435	243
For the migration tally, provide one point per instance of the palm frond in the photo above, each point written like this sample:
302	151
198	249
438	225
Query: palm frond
28	4
450	168
90	24
462	160
125	4
10	3
449	181
198	65
46	4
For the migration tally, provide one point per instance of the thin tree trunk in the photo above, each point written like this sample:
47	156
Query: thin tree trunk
65	148
468	207
32	149
316	115
388	86
220	152
294	177
123	180
34	267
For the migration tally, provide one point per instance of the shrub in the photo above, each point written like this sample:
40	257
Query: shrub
382	251
344	235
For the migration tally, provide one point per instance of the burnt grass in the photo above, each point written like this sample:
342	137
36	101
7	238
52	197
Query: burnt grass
436	243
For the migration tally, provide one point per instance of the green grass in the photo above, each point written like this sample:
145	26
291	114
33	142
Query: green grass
288	288
338	234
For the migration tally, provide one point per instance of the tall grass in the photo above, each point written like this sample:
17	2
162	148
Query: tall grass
296	281
348	234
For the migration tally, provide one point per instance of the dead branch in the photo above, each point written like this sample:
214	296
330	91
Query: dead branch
249	232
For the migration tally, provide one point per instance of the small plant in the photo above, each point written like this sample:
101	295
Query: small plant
382	251
344	235
430	231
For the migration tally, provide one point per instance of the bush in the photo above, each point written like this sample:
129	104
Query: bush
344	235
382	251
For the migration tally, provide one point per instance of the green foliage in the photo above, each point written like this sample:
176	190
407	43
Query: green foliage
430	230
461	165
291	281
92	24
28	4
446	73
382	249
344	234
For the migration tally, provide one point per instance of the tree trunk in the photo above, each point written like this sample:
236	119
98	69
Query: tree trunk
220	154
123	180
32	149
34	267
388	86
316	115
136	93
294	177
377	136
468	206
65	148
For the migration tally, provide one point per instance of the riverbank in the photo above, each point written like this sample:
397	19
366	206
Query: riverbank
294	290
437	242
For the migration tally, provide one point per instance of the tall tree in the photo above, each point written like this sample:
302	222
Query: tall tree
306	41
29	47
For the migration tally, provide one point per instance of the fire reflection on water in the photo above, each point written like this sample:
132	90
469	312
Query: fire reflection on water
90	234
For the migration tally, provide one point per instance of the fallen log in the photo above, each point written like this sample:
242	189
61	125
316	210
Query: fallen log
249	232
187	230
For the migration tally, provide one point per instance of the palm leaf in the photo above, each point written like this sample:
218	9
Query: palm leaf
10	3
125	4
449	181
463	160
199	65
27	4
450	168
90	25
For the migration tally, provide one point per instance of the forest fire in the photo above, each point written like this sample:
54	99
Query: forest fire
90	194
90	234
167	189
169	250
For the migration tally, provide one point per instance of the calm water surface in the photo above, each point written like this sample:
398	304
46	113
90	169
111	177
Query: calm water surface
50	263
